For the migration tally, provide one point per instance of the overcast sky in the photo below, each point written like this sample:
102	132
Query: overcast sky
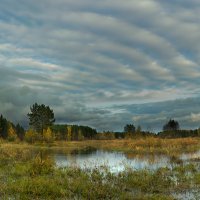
102	63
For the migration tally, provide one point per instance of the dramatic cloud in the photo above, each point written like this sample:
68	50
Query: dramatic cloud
101	63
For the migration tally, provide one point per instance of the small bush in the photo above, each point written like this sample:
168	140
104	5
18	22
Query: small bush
41	166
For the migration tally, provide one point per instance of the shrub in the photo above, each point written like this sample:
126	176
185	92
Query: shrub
41	166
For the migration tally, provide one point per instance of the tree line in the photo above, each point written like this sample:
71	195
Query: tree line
10	131
171	129
42	128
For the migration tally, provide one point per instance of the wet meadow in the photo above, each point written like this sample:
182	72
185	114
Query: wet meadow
148	168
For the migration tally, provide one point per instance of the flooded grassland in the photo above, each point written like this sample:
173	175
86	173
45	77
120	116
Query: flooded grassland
117	169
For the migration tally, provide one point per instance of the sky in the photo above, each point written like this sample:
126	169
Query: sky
102	63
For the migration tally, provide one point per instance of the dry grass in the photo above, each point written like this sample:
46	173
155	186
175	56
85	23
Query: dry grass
138	145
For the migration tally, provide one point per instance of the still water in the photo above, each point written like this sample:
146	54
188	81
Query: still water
117	161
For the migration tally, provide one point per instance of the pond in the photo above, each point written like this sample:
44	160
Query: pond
118	161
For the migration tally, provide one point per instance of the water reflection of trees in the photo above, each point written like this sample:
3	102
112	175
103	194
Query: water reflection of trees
150	158
86	150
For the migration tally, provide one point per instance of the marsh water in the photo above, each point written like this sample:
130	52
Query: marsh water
114	161
91	158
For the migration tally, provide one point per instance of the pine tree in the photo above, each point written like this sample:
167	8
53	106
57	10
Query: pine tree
3	127
41	117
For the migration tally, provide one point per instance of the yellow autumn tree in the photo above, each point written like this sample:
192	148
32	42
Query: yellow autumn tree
80	135
12	135
69	133
48	135
30	136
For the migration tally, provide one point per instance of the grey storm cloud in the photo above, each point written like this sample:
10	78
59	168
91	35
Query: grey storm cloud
101	63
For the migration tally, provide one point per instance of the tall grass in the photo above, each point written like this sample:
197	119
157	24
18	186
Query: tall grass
142	145
137	145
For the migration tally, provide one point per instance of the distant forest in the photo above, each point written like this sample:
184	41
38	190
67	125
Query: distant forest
43	128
